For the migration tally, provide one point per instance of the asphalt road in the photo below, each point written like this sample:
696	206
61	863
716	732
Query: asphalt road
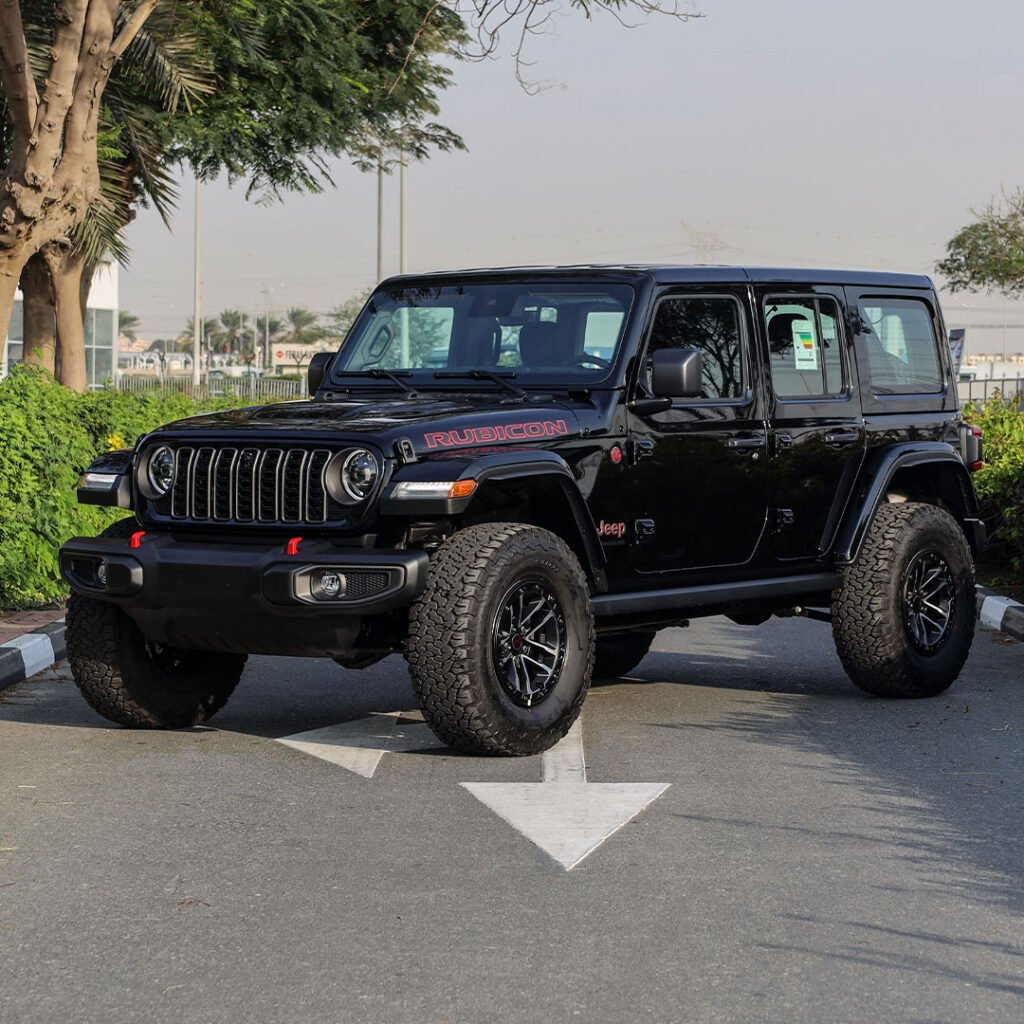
819	856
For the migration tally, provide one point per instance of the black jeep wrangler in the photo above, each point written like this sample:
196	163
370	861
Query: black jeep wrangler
516	477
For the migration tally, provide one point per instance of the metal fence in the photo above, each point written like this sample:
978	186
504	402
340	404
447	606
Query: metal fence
259	389
982	390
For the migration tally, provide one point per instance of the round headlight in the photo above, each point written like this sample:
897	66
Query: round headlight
160	470
359	473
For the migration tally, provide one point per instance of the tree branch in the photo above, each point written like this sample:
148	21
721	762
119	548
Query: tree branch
16	78
48	134
131	30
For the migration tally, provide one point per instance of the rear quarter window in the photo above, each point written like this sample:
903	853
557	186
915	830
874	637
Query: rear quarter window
902	347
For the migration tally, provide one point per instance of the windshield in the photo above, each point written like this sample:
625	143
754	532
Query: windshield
530	332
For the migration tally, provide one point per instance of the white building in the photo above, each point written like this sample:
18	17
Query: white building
100	329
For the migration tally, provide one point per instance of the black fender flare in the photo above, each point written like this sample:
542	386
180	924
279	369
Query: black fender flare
532	465
876	475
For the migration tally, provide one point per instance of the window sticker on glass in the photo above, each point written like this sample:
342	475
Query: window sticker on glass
805	345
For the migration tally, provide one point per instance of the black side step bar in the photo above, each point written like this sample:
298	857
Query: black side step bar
681	598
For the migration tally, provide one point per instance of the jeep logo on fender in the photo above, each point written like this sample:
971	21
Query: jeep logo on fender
503	432
613	530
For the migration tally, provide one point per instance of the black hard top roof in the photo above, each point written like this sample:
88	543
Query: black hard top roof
666	274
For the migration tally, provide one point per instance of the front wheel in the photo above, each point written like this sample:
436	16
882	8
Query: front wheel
903	618
135	683
501	643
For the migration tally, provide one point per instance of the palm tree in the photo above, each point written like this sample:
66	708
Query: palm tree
127	324
234	330
212	336
302	327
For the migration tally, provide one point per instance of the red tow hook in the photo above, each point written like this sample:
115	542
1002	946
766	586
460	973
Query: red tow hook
292	547
136	541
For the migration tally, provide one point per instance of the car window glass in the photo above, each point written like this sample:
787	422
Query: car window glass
804	347
903	356
712	325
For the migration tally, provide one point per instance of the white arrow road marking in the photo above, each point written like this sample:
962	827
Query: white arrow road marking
359	745
567	817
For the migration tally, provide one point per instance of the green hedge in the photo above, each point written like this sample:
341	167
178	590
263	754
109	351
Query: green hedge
48	436
1000	482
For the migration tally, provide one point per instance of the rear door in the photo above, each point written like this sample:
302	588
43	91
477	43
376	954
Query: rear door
817	430
698	483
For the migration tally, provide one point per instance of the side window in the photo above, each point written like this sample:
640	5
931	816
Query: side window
712	325
903	355
805	346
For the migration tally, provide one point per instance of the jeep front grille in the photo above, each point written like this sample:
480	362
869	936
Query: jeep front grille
251	485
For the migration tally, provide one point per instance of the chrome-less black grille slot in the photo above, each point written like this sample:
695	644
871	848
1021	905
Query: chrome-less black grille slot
223	483
201	477
268	486
254	485
292	485
245	485
316	486
182	475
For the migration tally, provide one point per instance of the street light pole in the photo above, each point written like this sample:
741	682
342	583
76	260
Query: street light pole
197	314
380	219
403	213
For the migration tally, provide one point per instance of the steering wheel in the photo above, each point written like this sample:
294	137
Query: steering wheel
586	359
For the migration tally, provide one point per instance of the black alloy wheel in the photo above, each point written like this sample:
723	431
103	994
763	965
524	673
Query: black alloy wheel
528	642
929	601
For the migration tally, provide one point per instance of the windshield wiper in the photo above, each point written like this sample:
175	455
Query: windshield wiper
378	374
501	379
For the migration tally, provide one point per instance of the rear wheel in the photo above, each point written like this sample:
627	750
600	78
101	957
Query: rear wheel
617	655
903	619
501	643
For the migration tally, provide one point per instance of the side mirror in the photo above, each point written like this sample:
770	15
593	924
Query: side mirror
317	368
676	372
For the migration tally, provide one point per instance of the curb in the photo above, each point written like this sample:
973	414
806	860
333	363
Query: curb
1001	613
30	653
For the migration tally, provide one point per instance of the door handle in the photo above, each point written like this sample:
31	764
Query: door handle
744	444
841	437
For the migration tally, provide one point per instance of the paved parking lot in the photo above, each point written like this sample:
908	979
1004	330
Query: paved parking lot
816	855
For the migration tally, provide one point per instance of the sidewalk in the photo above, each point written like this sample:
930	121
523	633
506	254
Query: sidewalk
29	642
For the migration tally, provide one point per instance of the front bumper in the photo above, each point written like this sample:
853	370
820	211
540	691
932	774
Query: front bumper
244	598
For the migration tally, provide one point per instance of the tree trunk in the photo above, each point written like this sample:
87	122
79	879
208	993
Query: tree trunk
40	324
66	268
9	277
52	175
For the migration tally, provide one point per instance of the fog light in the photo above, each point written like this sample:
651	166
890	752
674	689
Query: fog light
101	574
330	584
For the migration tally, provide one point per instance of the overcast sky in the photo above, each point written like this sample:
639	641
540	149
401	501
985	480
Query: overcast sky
793	132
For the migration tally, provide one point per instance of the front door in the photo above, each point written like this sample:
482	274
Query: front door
700	473
817	429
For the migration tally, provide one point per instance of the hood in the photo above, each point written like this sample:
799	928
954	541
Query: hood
432	423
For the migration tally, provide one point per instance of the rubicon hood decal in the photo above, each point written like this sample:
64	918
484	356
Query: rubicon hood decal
471	436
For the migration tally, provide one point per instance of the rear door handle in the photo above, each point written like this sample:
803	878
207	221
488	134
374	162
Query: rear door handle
744	444
842	437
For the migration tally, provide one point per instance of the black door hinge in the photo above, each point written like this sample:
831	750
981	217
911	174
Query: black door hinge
643	530
641	448
782	519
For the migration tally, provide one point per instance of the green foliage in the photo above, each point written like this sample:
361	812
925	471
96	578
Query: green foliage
989	254
312	80
1000	482
48	436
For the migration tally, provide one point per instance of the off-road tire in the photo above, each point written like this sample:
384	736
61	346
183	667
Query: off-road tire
129	681
868	610
449	647
614	656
